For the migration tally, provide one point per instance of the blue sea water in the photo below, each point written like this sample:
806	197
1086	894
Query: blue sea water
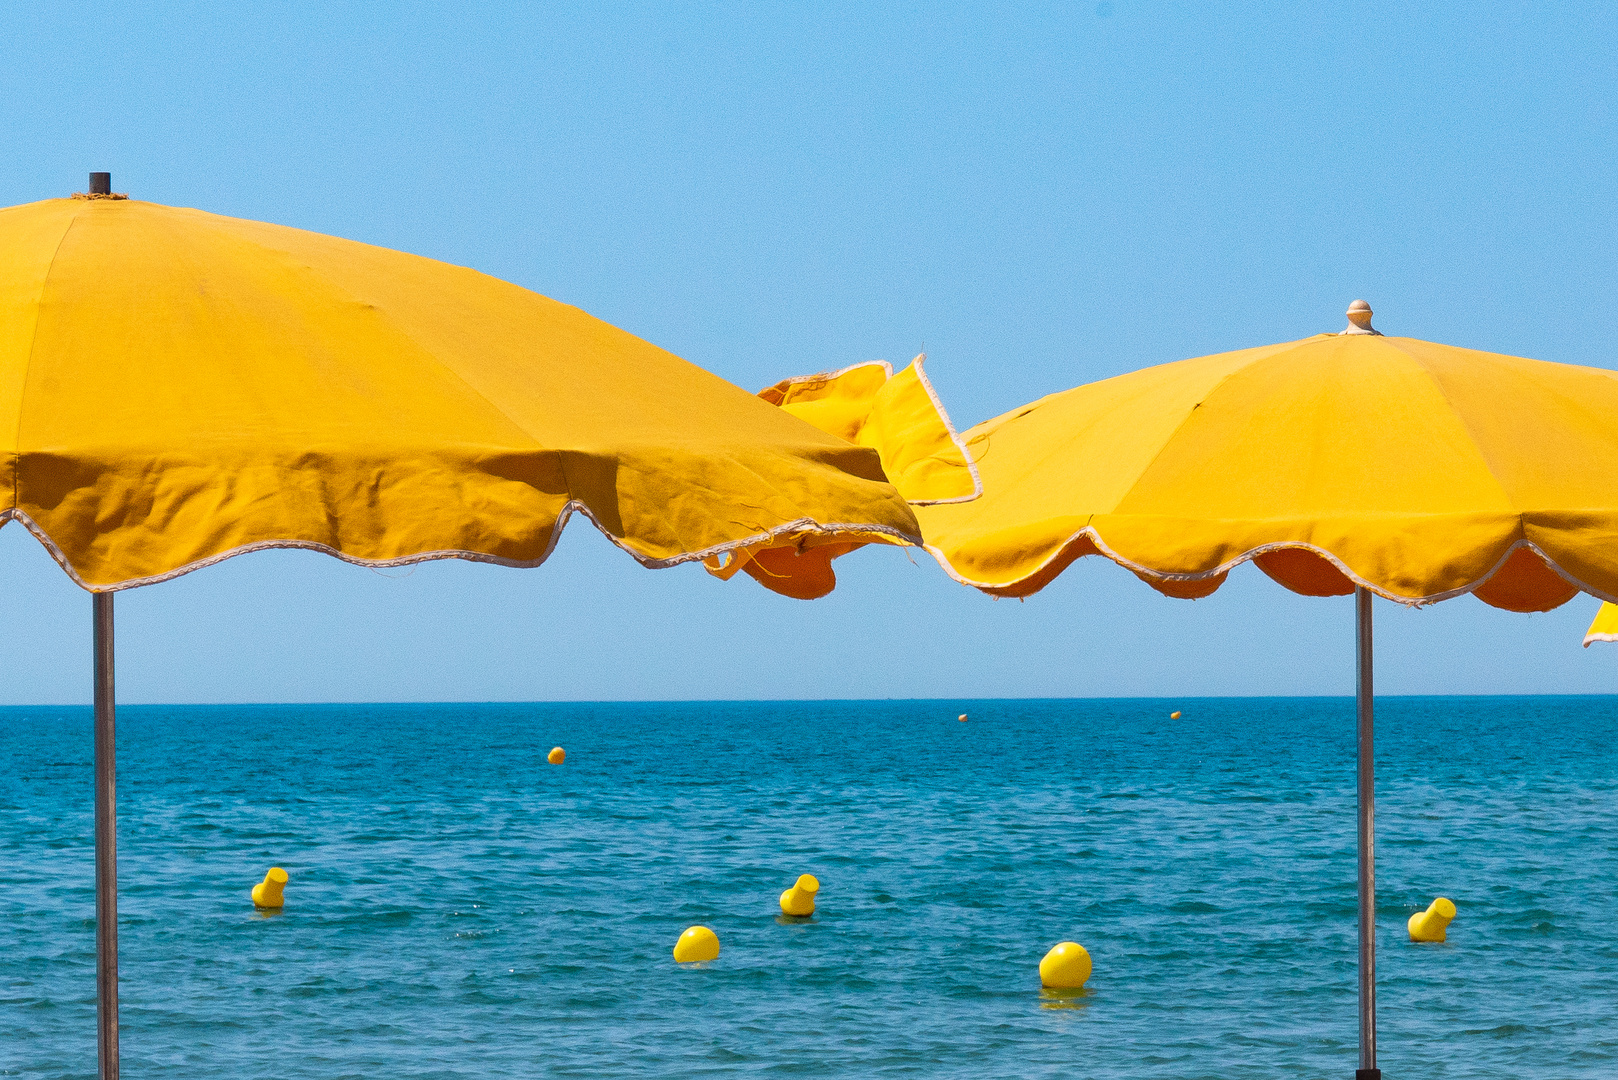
459	908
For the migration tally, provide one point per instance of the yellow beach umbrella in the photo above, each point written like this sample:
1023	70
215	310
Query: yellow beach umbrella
177	388
1417	471
1341	463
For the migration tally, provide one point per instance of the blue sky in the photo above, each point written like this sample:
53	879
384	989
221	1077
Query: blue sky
1040	196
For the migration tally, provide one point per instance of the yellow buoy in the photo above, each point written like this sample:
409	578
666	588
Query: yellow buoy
697	945
267	893
800	899
1066	967
1174	715
1429	925
556	756
963	718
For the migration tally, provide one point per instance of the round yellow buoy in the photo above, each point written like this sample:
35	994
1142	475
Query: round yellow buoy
1066	967
800	899
267	893
696	945
1429	925
1174	715
963	718
556	756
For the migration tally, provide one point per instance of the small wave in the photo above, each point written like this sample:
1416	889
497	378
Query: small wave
1504	1031
1194	907
370	918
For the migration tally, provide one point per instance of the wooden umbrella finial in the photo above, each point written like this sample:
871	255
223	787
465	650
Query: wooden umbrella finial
1359	320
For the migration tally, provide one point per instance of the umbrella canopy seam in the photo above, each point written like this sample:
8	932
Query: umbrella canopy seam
1190	414
1460	416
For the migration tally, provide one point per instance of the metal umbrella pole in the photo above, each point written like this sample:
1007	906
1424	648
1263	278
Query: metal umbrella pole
106	813
106	847
1366	783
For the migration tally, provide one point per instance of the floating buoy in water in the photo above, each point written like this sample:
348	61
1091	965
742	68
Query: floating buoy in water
800	899
1429	925
556	756
963	718
267	893
697	945
1174	715
1066	967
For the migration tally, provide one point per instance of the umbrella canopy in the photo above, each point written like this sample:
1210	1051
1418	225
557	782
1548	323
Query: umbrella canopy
1605	625
1342	463
1419	471
178	387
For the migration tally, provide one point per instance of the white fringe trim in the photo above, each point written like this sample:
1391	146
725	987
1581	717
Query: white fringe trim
954	436
828	376
1248	556
800	526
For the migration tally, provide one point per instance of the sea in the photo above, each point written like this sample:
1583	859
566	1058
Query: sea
457	907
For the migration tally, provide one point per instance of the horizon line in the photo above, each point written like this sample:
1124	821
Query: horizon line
782	700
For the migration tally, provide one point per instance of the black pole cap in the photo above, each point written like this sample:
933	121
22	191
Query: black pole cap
101	183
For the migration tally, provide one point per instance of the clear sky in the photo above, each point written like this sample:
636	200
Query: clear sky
1040	196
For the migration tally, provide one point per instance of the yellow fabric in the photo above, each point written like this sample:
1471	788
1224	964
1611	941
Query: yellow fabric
836	402
1418	470
1605	626
899	415
177	387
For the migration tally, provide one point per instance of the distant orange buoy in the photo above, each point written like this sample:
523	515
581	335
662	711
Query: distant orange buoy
1174	715
963	718
556	756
